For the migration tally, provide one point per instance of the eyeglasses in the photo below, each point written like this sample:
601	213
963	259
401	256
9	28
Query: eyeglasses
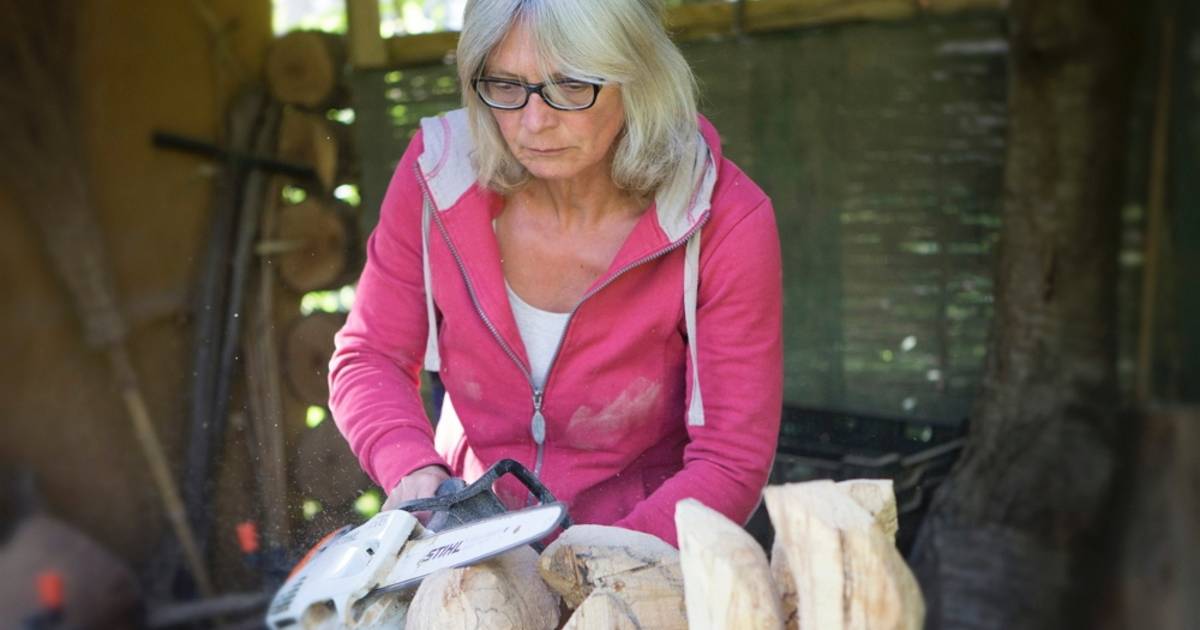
566	94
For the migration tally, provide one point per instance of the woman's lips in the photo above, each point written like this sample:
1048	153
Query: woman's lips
545	151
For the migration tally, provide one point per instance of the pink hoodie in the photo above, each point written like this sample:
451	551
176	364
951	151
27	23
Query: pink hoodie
622	436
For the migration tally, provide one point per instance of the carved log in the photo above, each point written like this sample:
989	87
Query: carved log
845	568
504	592
726	578
876	497
639	572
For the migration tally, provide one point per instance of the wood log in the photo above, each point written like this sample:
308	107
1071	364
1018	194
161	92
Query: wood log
639	571
324	469
873	495
382	612
504	592
317	233
603	609
726	579
845	568
307	350
306	69
877	498
313	140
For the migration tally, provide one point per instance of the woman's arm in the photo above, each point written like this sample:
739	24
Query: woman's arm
739	348
375	371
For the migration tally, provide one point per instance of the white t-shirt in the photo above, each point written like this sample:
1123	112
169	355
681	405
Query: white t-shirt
540	332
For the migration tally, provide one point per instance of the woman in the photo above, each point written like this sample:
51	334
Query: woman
598	288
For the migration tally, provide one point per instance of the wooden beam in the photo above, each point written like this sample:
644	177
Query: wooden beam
700	21
420	50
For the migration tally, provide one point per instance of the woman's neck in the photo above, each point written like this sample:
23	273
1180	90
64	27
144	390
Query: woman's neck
580	202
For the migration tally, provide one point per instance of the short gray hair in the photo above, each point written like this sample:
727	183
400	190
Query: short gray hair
618	41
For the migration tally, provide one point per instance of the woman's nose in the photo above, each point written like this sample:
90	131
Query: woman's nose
537	115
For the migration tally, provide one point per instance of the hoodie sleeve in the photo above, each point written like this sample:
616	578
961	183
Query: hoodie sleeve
374	374
739	348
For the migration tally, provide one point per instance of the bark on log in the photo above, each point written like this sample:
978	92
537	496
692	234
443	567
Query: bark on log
1160	555
502	593
846	569
726	579
307	350
316	233
1002	543
306	68
640	572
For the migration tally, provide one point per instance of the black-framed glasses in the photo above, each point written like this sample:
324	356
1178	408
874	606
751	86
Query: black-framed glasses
568	95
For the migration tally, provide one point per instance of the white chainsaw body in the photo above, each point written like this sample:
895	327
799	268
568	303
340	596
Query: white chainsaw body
391	552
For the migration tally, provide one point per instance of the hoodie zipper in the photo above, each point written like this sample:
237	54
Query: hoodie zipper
537	423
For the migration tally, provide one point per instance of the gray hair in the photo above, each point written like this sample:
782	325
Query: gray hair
614	41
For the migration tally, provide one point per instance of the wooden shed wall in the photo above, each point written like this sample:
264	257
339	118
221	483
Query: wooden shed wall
144	66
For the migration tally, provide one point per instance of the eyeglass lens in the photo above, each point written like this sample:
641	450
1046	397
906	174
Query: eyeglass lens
562	94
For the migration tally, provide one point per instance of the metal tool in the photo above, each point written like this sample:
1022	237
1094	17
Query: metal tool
392	552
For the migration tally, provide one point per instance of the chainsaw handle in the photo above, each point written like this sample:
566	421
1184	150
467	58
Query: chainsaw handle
456	503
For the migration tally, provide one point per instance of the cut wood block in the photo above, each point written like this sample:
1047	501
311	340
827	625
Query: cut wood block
876	497
726	578
324	469
602	610
318	235
306	69
845	569
307	349
313	140
640	572
502	593
384	612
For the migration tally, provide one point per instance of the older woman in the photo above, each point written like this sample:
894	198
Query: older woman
598	288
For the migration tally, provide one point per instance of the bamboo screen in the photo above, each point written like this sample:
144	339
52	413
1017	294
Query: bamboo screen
882	148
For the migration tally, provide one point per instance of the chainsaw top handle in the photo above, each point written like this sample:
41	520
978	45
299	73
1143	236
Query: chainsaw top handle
457	503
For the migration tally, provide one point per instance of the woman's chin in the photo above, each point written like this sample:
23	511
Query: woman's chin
541	169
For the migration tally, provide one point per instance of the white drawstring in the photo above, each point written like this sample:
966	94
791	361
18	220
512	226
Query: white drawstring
433	361
691	284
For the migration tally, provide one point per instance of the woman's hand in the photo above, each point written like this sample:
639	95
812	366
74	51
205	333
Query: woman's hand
418	484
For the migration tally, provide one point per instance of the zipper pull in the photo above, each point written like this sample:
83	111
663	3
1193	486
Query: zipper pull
538	425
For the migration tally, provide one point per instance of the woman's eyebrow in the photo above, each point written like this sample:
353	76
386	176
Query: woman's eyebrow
503	74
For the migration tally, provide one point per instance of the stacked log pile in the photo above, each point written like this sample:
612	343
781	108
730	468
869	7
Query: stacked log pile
834	566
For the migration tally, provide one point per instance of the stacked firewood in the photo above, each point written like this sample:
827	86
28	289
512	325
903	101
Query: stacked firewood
834	566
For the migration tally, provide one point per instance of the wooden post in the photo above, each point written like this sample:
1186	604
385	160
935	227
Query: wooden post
367	49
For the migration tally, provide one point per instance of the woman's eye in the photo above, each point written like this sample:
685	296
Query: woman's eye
503	88
574	87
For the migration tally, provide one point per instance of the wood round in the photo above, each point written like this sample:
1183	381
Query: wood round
324	469
318	234
307	350
304	68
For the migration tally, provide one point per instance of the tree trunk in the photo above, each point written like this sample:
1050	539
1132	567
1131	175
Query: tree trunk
1001	546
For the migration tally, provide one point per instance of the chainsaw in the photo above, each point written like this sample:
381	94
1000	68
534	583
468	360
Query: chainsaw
392	551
